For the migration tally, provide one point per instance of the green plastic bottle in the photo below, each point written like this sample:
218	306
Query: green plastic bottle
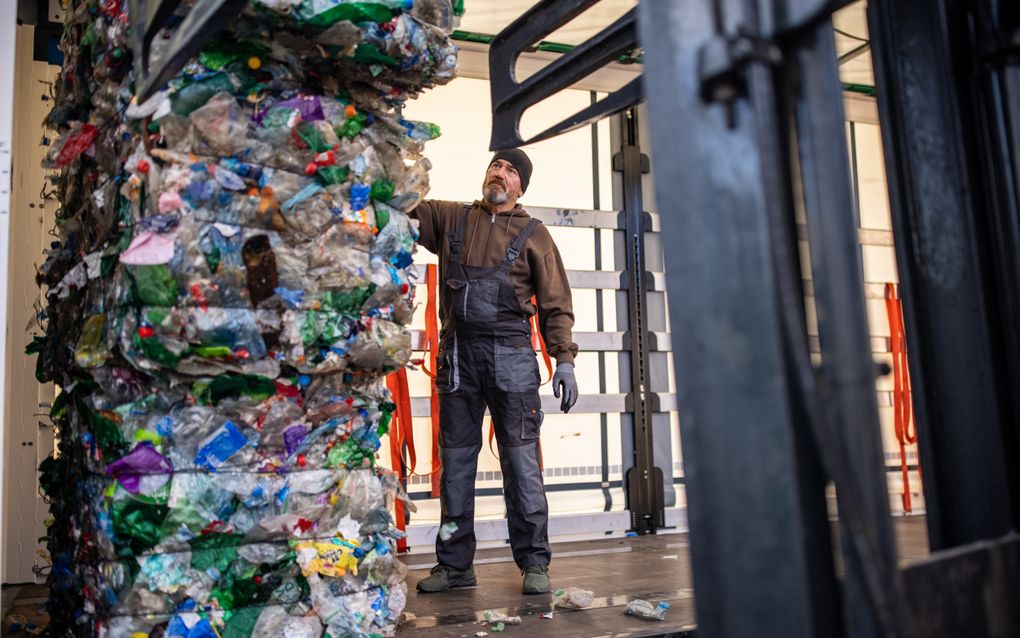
194	95
356	12
382	191
154	285
91	350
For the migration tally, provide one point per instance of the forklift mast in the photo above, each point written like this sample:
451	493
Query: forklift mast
749	93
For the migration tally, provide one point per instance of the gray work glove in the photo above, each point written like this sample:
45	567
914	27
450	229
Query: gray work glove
564	376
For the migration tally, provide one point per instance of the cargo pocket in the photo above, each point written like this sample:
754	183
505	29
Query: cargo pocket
516	367
474	301
531	416
448	369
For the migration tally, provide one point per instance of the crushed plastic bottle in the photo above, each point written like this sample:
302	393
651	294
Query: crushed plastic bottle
499	618
573	598
91	350
646	610
229	290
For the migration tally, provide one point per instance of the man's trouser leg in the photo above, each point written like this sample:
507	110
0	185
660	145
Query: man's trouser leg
518	418
461	408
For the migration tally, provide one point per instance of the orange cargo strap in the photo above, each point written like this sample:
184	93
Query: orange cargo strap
402	398
905	434
538	342
431	348
401	437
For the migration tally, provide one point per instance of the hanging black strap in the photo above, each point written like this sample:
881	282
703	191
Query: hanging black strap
517	245
456	236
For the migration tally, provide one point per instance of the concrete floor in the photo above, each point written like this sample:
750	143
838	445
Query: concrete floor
654	568
617	570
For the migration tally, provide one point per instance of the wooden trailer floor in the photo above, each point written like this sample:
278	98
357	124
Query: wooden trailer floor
617	570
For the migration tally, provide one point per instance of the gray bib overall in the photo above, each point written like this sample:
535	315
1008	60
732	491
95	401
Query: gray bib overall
486	360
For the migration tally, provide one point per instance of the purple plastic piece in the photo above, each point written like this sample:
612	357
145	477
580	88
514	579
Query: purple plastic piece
139	462
293	437
309	107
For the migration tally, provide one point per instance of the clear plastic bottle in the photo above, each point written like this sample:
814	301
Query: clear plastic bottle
644	609
438	13
573	598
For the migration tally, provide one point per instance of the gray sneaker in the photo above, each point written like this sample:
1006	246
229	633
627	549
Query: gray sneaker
443	577
536	580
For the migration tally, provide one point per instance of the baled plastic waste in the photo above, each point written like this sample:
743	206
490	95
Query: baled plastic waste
229	289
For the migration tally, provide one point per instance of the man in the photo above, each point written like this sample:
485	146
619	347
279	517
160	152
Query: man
493	257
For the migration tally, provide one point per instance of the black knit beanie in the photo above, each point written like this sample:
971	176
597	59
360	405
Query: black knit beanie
519	160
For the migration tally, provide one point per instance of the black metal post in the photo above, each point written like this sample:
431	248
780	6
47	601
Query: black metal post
511	98
753	86
752	525
847	371
991	74
942	262
644	480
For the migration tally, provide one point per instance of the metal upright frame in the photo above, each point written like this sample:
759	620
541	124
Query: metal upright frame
645	498
748	129
749	92
945	233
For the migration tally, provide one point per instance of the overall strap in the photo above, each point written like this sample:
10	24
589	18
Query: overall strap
517	245
456	236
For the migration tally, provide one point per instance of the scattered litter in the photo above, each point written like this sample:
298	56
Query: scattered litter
481	634
645	609
573	598
498	627
548	615
671	557
493	617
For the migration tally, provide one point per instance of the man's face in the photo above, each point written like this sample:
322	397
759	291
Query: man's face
502	183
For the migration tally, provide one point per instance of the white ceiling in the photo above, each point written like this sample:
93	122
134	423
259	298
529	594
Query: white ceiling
491	16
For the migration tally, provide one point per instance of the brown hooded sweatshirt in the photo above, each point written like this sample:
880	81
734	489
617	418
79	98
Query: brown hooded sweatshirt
538	271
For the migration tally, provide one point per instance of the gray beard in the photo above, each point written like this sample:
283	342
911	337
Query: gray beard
494	194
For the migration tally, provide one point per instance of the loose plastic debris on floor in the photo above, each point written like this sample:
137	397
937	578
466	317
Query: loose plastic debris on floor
573	598
648	611
600	576
497	617
229	288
